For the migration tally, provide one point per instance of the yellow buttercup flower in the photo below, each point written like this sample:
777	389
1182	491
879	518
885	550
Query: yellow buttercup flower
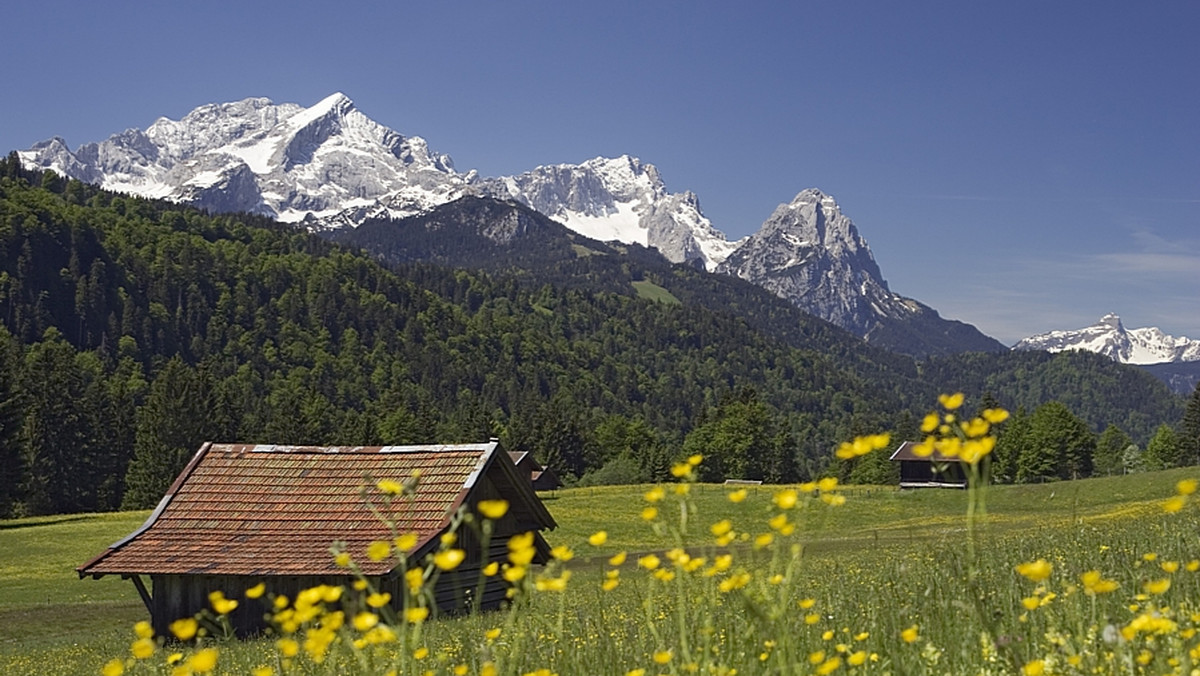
256	591
598	538
379	550
365	620
448	559
142	648
738	495
785	499
416	614
389	487
617	559
114	667
1157	586
910	635
1186	486
1034	668
220	604
203	661
649	562
491	569
1035	570
951	402
493	509
379	600
406	542
662	656
562	553
649	513
654	494
995	415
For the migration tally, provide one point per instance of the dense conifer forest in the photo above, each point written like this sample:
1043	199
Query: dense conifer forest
134	330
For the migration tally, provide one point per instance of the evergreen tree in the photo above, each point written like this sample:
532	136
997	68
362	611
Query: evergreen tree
171	426
12	413
1010	444
1058	445
1189	431
1110	450
1163	450
55	432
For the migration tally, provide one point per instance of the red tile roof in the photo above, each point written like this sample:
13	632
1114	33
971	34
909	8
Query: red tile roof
276	510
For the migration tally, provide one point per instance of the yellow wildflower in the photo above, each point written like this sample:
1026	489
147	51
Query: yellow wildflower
222	605
1094	583
415	614
910	635
448	559
951	402
256	591
203	661
379	550
1034	668
649	562
415	577
617	559
738	495
827	484
389	487
491	569
406	542
492	509
662	656
1186	486
721	527
142	648
995	415
598	538
1157	586
654	494
1035	570
114	667
785	499
365	620
649	513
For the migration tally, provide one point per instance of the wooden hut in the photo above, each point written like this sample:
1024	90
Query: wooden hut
241	514
542	478
931	471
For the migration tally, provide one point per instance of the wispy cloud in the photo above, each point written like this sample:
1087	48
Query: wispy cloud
1154	282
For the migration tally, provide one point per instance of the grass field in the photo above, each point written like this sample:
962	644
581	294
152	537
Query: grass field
874	568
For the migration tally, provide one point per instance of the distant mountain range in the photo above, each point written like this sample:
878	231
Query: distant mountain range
1175	360
331	168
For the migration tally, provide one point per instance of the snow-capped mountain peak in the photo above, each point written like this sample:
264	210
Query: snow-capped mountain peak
1110	338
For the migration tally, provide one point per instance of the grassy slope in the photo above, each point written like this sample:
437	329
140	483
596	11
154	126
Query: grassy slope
49	617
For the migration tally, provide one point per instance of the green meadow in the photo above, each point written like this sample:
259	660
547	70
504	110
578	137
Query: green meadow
888	582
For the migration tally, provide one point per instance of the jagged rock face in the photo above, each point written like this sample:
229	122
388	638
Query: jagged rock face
1110	338
329	167
811	254
328	164
619	199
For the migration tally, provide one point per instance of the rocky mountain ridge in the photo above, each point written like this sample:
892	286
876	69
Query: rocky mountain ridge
1110	338
330	167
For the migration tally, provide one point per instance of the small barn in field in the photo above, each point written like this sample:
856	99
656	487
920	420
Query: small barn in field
931	471
241	514
542	478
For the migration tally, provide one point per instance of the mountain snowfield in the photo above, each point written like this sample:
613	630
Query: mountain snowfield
1110	338
329	166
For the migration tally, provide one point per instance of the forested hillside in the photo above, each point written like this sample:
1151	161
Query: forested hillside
135	330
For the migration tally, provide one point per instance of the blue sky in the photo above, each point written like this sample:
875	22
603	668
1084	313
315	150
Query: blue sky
1021	166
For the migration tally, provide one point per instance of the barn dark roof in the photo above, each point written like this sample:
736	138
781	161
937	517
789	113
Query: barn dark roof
905	452
241	509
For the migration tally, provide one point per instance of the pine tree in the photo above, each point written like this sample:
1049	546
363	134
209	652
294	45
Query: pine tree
1162	451
1189	430
1058	445
1110	450
171	426
12	413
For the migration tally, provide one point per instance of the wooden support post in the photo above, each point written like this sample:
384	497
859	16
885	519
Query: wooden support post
141	587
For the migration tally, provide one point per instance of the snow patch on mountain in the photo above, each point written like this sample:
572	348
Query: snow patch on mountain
1110	338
